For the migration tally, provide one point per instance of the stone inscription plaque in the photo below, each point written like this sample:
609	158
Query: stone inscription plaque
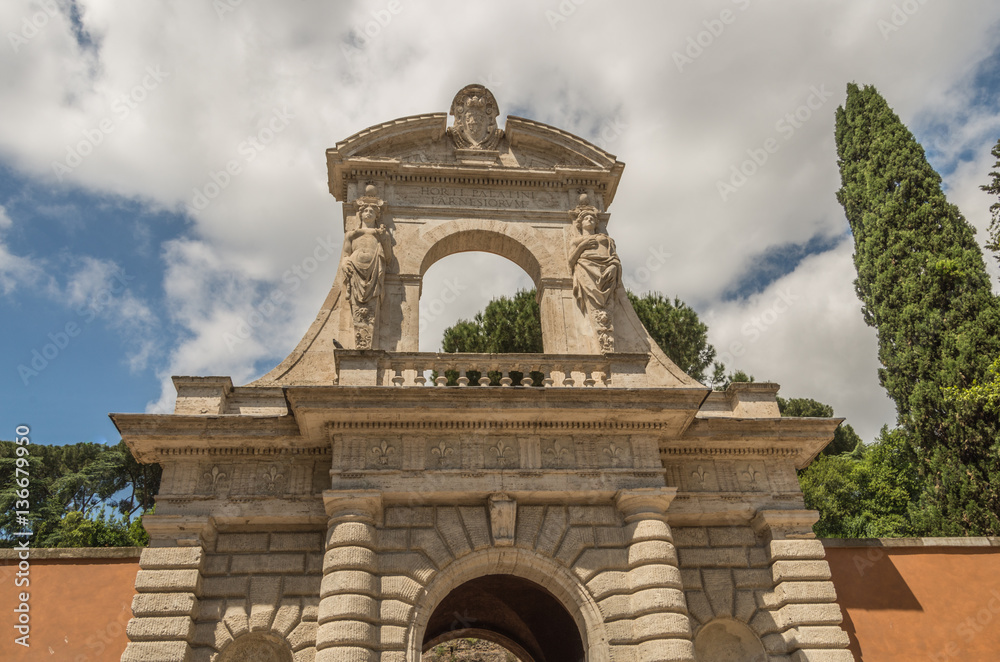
477	198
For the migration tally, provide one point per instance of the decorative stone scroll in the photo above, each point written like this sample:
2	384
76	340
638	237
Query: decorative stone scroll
366	257
475	112
597	271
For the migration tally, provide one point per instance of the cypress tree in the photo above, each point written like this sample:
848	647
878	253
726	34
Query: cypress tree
924	286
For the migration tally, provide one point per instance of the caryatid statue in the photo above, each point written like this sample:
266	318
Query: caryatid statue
597	271
366	258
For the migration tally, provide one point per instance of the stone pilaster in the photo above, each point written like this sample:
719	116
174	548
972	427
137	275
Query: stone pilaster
803	617
168	586
661	632
349	594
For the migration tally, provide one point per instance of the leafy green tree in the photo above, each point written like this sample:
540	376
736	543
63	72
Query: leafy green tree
924	286
865	493
994	187
677	330
91	480
845	439
515	326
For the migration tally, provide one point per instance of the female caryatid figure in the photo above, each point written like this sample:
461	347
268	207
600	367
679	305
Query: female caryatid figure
366	252
597	272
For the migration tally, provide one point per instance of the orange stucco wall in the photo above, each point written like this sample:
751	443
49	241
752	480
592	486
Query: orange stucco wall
919	604
78	609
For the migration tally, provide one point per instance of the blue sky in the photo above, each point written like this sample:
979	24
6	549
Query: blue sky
142	105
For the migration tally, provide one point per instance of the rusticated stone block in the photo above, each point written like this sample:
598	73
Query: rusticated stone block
698	606
302	585
429	542
799	592
731	536
346	633
261	616
528	526
822	656
810	636
348	606
652	576
267	564
691	578
796	549
157	651
163	604
168	581
308	541
810	614
800	571
401	588
350	557
395	612
236	619
170	558
592	561
350	533
651	551
745	606
717	557
303	636
215	564
225	587
594	515
476	525
690	536
648	529
663	625
755	578
392	636
165	628
574	542
393	540
286	617
307	654
665	650
337	653
414	564
241	543
553	529
718	586
349	581
610	536
449	527
418	516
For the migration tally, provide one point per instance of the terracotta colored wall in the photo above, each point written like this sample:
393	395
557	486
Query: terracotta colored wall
79	609
919	604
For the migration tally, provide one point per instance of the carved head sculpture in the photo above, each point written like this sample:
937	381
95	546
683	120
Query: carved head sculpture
475	112
585	216
369	207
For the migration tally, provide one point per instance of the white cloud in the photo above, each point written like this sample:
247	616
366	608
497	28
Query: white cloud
219	80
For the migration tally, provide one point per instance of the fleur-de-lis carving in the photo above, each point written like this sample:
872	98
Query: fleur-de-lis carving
215	475
501	452
752	474
614	452
382	452
557	452
442	450
700	474
271	479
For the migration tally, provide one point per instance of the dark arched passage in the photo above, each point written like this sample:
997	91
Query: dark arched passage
518	611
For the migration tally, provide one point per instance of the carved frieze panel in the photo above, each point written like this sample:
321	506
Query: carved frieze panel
443	453
558	453
502	452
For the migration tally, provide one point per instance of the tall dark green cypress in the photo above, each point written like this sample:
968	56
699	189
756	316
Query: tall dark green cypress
924	286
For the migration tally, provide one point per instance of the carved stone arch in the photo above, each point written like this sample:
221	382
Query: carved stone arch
505	240
728	640
256	647
558	581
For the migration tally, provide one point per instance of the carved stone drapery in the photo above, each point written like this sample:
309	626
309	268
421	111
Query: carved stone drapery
597	272
366	258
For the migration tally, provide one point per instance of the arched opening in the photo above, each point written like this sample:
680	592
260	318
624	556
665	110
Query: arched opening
257	647
461	285
518	614
727	640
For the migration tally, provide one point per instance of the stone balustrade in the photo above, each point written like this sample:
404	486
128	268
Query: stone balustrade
545	370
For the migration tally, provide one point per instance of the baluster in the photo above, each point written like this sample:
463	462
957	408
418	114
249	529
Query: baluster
546	371
568	378
419	379
505	379
526	379
463	377
397	375
588	376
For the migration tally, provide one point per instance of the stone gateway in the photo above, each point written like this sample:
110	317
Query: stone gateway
598	504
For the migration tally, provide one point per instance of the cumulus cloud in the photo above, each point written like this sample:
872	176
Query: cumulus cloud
224	116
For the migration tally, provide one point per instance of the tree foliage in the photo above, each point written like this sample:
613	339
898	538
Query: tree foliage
845	439
864	493
993	187
924	286
679	333
78	494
